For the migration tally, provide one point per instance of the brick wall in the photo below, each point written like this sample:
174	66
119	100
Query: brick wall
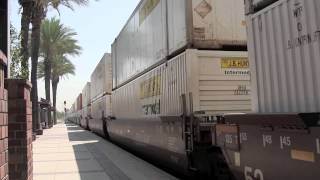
3	121
20	129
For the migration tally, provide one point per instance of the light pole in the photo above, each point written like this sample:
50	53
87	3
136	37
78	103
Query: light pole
65	110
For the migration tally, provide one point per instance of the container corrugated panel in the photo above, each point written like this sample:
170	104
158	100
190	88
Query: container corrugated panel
101	78
215	81
84	112
284	51
209	24
161	28
101	107
256	5
142	42
78	103
86	95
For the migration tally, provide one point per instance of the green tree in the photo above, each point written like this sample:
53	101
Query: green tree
61	68
34	11
56	41
27	8
15	49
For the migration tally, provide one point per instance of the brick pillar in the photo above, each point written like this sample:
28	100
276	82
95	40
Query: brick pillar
3	121
20	129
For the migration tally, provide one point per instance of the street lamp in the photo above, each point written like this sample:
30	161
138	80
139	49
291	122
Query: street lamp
65	110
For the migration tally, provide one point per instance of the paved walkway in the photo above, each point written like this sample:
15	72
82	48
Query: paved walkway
67	152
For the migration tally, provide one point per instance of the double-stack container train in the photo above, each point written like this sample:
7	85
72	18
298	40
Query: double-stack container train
86	106
280	141
101	87
161	29
75	114
179	89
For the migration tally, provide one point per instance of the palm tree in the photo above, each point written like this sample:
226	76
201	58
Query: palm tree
56	40
27	7
38	13
61	67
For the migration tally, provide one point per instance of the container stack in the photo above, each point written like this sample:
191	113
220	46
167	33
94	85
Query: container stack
284	55
100	90
78	108
169	48
86	105
79	102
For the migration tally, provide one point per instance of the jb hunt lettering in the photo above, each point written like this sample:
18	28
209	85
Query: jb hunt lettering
234	63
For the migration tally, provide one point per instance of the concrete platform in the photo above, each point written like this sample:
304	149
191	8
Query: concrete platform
69	152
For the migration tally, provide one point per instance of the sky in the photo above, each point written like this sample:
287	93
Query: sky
97	25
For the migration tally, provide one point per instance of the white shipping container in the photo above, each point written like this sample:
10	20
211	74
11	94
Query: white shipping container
160	28
206	24
142	42
217	81
101	78
100	108
86	95
284	53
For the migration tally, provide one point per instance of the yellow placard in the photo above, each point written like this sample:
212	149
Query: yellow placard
302	155
234	63
150	87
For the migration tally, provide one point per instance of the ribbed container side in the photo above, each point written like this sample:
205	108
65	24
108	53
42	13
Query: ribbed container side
86	95
219	81
208	24
142	41
78	103
161	28
252	6
156	92
72	108
284	51
84	112
215	81
101	78
101	107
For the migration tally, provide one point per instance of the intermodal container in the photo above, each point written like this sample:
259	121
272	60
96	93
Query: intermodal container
86	101
86	95
284	52
79	102
158	29
214	82
100	110
208	24
101	78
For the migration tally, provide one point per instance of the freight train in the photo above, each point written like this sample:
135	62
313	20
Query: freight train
179	89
